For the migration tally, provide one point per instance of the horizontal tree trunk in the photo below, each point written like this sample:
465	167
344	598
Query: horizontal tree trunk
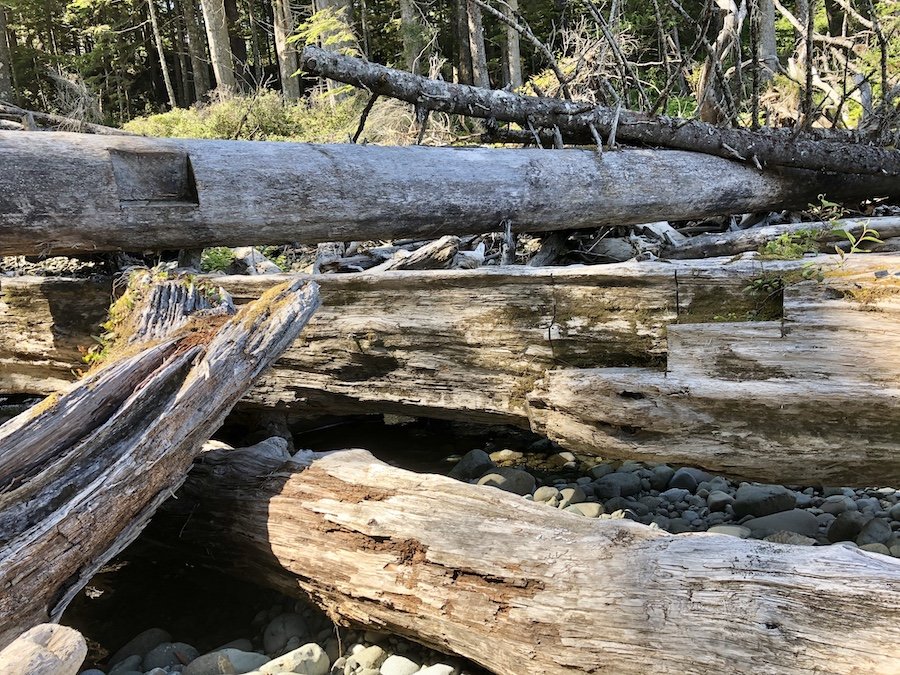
576	118
825	233
64	193
462	344
521	588
82	473
810	399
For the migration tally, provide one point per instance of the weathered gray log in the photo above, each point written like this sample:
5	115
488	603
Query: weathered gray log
575	118
82	473
466	344
810	399
823	232
524	589
46	649
63	123
76	192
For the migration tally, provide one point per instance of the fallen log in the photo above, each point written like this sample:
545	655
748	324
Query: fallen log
82	473
524	589
462	344
581	121
64	193
820	235
811	399
46	649
62	123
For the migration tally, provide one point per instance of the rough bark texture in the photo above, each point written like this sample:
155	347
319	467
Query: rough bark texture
514	54
6	89
825	233
157	38
74	192
46	649
197	49
461	344
219	44
480	75
525	589
82	473
812	398
287	55
574	119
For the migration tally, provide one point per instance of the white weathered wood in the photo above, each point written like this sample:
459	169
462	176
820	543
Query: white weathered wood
46	649
75	192
812	398
731	243
82	473
524	589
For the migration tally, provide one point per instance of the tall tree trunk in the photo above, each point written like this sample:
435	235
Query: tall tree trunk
157	38
463	52
219	46
197	49
411	30
476	45
254	43
767	52
6	88
287	55
181	50
513	54
236	40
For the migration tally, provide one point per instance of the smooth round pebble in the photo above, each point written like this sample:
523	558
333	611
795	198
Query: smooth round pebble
399	665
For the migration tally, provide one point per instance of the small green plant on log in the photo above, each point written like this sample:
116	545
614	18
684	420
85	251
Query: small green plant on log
867	235
790	245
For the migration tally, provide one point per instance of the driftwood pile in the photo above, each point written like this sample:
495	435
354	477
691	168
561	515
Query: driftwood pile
768	367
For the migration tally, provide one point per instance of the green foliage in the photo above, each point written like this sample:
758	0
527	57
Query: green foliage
330	29
216	259
791	245
867	235
263	116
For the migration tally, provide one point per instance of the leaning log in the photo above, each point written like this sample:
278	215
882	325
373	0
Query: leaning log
821	235
82	473
63	193
582	122
524	589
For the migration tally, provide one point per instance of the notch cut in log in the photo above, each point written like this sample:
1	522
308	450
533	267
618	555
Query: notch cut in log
82	473
523	589
580	121
65	193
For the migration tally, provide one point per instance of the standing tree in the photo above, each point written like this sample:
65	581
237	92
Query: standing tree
157	38
196	48
219	45
283	22
6	88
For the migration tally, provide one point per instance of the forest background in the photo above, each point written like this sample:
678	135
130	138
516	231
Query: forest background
228	68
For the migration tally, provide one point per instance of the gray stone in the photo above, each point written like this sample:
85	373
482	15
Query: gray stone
617	485
241	643
793	538
651	502
674	495
561	460
131	662
847	526
157	671
731	530
762	500
895	511
895	550
370	657
280	630
474	464
506	456
679	525
796	520
615	504
876	531
688	478
636	506
310	659
868	504
140	644
836	504
630	466
546	493
510	480
718	500
399	665
169	654
437	669
601	470
588	509
573	495
662	474
690	516
876	548
91	671
662	522
832	491
825	519
225	662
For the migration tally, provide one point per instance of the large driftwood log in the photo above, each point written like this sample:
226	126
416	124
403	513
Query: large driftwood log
75	192
82	473
521	588
577	118
810	399
466	344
